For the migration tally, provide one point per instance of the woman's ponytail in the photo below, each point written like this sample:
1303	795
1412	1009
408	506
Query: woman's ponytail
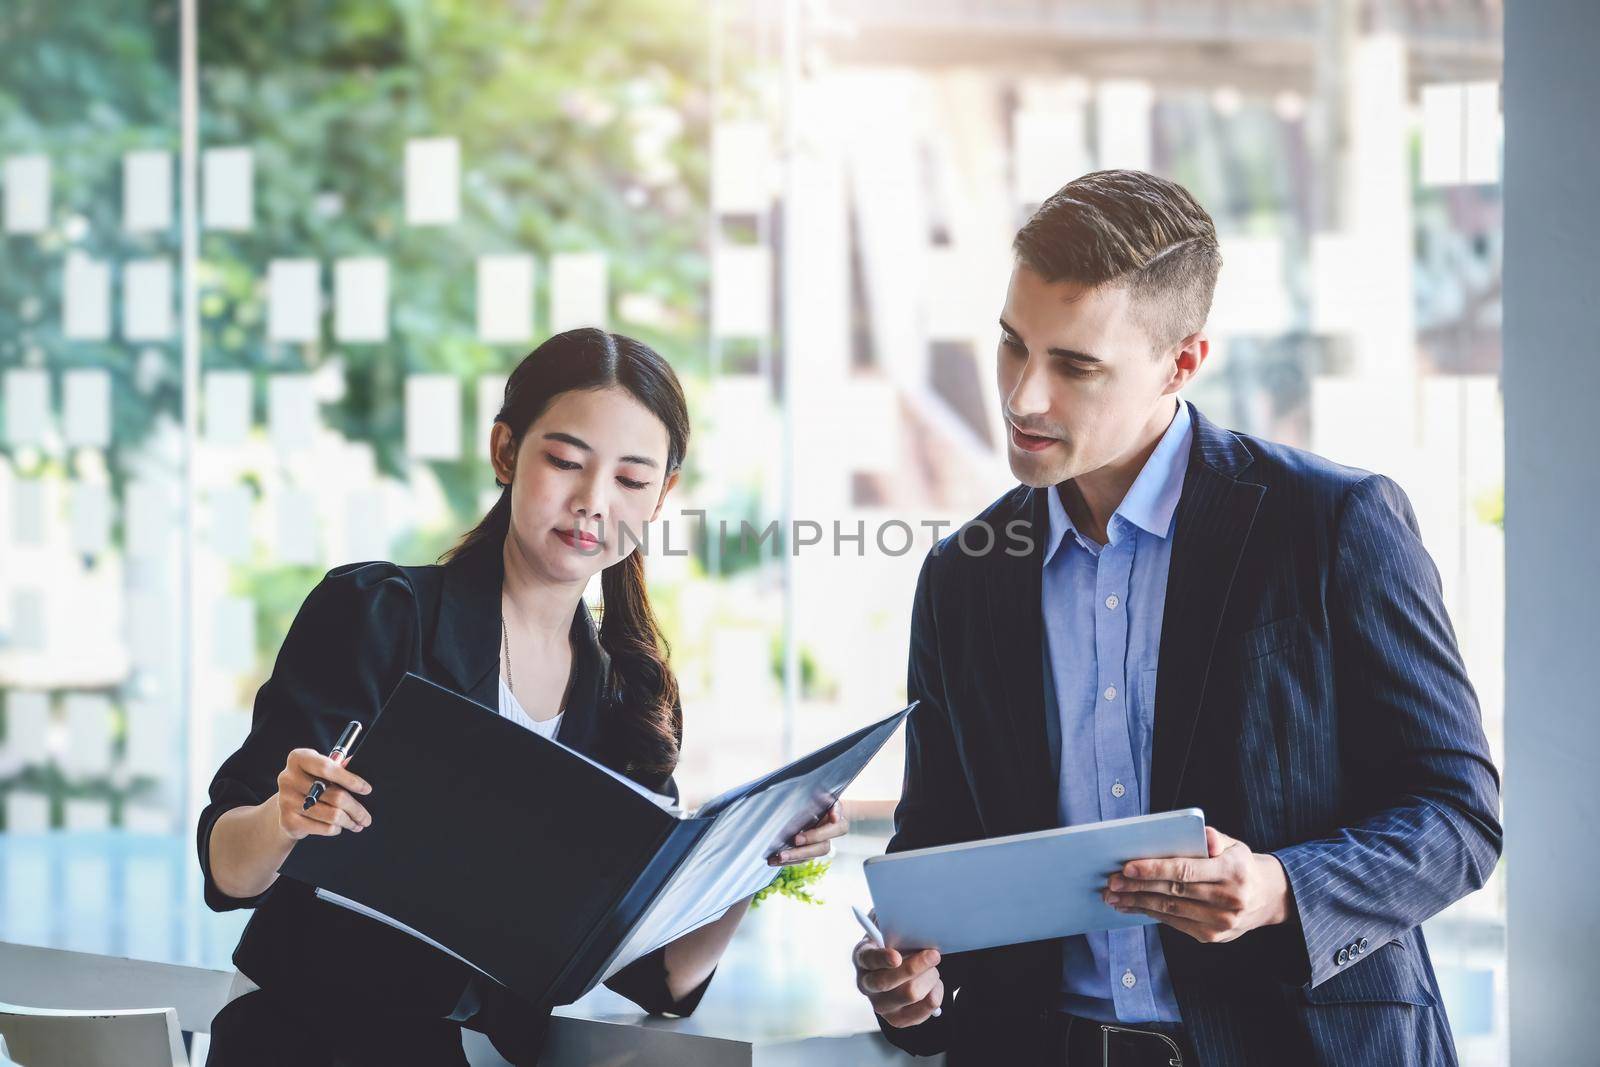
491	529
651	727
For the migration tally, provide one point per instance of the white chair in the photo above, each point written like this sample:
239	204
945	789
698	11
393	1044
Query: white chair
60	1037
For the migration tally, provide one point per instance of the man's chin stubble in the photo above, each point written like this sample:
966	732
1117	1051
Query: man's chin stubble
1039	476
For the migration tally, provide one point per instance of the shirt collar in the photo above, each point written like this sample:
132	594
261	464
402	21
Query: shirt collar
1152	499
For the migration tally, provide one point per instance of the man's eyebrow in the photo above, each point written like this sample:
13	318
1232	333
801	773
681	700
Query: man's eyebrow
1063	353
578	442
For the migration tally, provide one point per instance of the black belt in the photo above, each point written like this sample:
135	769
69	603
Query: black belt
1086	1043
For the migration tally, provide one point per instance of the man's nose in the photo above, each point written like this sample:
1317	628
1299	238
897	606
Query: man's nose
1031	394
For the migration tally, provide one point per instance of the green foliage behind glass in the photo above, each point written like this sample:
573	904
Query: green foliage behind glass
582	126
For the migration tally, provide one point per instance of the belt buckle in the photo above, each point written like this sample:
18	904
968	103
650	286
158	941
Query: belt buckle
1107	1030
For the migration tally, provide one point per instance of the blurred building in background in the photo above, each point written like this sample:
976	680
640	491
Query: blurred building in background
257	305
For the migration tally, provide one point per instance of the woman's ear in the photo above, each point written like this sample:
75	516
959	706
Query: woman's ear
502	453
666	487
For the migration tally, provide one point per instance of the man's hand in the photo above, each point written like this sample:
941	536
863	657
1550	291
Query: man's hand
1211	900
905	990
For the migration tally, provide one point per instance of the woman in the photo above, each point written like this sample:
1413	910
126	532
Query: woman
588	444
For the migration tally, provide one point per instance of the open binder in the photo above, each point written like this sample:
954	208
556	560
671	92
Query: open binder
542	869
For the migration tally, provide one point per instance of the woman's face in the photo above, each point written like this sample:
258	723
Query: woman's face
585	478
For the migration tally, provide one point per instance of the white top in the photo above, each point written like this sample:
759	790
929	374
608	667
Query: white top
513	711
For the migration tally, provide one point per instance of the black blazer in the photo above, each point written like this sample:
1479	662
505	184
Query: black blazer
1310	698
359	631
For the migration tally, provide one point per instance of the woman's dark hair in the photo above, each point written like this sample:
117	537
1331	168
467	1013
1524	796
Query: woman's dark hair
644	687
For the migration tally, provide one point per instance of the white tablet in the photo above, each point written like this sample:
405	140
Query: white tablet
1028	887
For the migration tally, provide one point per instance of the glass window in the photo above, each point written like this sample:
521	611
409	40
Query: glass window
806	207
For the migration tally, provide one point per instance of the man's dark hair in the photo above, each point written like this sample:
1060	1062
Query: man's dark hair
1129	228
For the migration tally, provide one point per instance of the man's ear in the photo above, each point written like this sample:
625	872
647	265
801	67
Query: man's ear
666	487
1187	358
502	452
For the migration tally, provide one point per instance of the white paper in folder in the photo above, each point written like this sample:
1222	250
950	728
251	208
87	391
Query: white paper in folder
748	824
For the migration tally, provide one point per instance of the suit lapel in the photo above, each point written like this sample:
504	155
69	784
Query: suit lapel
1016	631
1213	522
466	644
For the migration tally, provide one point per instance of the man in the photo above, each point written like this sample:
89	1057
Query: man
1173	615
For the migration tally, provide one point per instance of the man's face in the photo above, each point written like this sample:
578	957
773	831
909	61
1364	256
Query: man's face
1080	384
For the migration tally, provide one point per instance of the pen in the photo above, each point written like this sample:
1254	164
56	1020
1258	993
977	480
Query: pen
340	750
876	937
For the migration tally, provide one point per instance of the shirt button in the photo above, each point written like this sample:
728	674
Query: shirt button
1111	692
1128	980
1342	958
1117	790
1112	601
1361	946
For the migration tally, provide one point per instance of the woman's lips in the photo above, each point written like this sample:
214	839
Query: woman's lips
1029	442
582	541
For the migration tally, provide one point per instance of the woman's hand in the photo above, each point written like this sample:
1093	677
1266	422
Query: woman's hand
250	842
336	810
814	841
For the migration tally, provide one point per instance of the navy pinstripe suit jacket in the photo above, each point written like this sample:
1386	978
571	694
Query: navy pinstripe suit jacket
1310	698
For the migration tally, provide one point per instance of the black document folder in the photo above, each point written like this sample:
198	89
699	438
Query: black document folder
543	869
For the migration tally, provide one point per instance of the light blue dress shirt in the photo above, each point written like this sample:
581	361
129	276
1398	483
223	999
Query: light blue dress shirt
1102	633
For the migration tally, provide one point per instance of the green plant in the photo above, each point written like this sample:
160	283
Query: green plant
795	881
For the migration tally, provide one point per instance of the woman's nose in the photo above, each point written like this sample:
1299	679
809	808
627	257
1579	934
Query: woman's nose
589	503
